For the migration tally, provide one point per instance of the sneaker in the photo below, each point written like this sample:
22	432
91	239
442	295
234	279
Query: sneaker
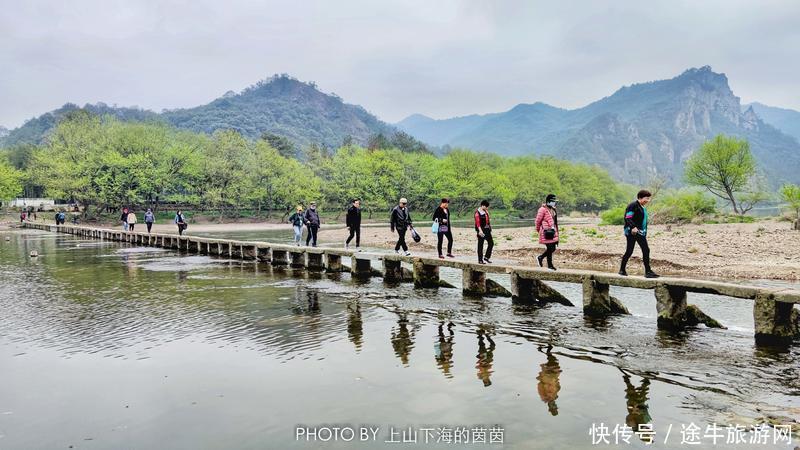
551	268
441	257
408	253
623	273
450	255
346	245
539	258
481	262
487	260
651	275
397	251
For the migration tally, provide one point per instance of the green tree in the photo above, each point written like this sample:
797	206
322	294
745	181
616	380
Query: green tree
790	193
724	166
10	181
280	143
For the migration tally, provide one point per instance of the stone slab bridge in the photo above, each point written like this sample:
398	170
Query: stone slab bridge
776	320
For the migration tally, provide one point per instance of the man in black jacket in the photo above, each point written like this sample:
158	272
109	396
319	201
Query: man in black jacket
354	223
401	221
311	218
636	232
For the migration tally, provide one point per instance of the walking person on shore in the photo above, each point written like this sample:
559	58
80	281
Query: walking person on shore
442	218
483	226
354	223
131	220
636	232
296	220
401	222
124	218
149	219
547	227
311	218
180	221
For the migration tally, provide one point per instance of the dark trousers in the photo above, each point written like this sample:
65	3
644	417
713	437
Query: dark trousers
130	226
487	236
401	240
548	253
312	235
632	240
355	231
149	226
180	229
441	237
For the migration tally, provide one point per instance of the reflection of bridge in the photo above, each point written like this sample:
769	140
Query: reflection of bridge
773	312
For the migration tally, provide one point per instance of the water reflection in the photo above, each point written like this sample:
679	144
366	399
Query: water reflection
549	383
355	325
485	355
636	401
403	338
443	349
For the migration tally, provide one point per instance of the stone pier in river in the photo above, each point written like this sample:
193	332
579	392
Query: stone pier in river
776	320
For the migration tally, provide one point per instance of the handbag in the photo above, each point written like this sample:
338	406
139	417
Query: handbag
444	229
550	233
435	227
415	235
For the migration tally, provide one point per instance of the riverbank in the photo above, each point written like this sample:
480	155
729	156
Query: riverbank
766	249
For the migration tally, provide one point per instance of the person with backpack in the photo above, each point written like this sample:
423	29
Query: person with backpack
131	220
149	219
180	221
311	219
401	221
353	222
124	218
636	232
483	227
441	219
547	227
296	220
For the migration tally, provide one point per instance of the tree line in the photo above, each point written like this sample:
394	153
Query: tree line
103	164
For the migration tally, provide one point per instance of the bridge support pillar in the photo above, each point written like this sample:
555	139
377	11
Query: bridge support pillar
314	262
598	302
262	253
775	322
280	257
473	282
224	249
193	246
392	270
298	259
237	251
425	275
361	267
674	313
250	252
333	263
530	290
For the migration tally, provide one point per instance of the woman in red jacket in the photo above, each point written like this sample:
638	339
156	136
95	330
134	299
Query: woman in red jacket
547	227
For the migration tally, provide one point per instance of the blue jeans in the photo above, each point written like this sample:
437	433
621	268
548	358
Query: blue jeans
298	233
125	226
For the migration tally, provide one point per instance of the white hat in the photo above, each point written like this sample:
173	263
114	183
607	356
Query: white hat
403	200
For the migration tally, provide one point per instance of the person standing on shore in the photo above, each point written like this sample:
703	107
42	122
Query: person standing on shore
296	220
180	221
124	218
22	216
483	226
311	219
131	220
442	217
547	227
636	232
354	223
149	219
401	221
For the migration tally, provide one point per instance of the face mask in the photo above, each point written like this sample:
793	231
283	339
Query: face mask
551	204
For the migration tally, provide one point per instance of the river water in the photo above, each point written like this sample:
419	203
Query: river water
107	345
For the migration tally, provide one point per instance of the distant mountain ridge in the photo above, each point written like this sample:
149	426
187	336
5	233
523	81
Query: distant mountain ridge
638	132
786	120
281	105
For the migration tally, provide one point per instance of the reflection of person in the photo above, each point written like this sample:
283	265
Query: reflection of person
443	349
402	339
355	326
549	383
485	357
636	400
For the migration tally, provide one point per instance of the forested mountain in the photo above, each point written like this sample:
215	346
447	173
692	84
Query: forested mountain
280	105
640	131
786	120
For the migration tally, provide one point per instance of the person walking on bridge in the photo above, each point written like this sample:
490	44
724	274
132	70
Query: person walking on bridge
354	223
636	232
312	221
483	227
296	220
180	221
131	220
444	228
547	227
149	219
401	221
124	218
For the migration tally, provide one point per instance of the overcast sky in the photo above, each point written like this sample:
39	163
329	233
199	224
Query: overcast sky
441	58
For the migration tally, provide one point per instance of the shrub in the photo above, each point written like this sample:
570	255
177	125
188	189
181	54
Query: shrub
682	206
613	216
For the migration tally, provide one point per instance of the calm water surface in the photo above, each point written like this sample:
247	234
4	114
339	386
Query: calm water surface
104	345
